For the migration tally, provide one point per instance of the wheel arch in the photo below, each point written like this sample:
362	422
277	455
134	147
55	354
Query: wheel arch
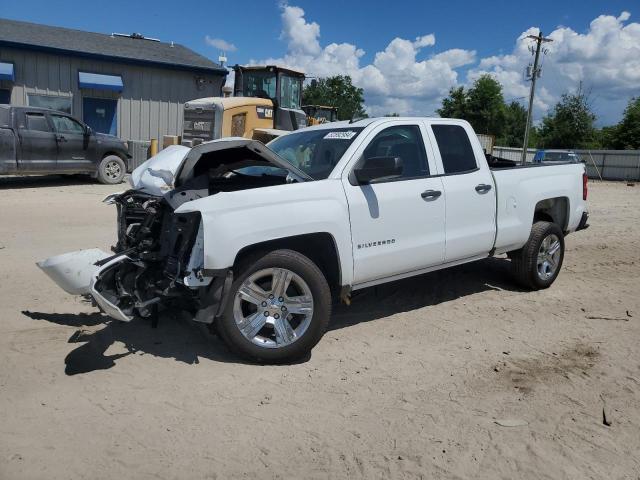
555	210
319	247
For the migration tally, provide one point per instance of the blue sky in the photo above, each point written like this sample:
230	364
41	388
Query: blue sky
470	31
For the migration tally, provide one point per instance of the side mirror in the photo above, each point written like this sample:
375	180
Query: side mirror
377	168
87	130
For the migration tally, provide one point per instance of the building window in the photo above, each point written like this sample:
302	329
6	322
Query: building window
62	104
5	95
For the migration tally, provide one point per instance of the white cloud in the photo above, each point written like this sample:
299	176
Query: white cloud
410	78
397	81
301	36
425	41
605	58
220	44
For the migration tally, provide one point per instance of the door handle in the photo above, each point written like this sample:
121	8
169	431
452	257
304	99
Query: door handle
431	194
483	188
62	138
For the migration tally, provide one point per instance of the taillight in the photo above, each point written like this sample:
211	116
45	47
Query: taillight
585	189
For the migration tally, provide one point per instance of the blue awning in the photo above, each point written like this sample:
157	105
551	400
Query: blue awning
100	82
6	71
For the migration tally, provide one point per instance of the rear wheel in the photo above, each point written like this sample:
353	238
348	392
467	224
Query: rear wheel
538	263
111	170
278	308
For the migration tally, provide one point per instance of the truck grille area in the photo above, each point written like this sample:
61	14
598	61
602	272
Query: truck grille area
152	254
150	231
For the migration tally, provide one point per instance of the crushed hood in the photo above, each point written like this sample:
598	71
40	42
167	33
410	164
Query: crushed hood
156	175
174	165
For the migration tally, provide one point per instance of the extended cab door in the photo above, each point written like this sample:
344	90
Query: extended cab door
397	225
73	144
38	148
469	189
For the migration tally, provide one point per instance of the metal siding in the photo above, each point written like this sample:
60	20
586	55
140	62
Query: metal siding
154	108
149	106
163	111
133	92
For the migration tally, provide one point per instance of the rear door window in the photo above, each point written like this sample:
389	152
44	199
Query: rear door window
37	121
455	149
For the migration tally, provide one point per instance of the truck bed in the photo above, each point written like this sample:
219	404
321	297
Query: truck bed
521	187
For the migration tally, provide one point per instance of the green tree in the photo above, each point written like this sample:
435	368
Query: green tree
485	106
337	92
515	119
570	124
455	105
626	134
482	105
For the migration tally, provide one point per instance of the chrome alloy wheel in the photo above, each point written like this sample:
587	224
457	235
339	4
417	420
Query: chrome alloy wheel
112	170
273	307
548	256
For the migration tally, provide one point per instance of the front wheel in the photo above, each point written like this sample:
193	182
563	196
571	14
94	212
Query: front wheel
111	170
278	308
538	263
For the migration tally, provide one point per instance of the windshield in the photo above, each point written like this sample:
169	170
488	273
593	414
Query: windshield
315	152
259	84
290	89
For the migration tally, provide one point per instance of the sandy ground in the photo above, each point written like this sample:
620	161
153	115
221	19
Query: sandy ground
456	374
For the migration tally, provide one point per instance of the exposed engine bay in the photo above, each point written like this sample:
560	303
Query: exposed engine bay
158	258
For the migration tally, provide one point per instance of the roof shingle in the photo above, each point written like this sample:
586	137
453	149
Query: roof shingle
112	47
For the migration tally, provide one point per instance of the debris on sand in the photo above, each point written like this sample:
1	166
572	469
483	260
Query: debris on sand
605	420
513	422
613	319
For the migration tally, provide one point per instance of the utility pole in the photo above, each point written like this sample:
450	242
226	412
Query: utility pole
535	74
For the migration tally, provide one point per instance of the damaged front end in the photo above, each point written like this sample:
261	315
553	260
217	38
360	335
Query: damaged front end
158	260
153	262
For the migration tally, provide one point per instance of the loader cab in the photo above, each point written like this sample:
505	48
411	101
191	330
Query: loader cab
318	114
282	86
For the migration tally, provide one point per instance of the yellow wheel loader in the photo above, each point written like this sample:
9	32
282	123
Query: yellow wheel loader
266	103
317	114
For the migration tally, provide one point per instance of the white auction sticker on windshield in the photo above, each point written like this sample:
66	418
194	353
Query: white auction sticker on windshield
340	135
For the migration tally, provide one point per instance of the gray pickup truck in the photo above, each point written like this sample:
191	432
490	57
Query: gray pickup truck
37	141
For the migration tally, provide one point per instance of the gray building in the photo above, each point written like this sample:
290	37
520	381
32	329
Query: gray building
126	85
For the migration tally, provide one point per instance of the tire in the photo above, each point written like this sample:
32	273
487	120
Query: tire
111	170
534	265
260	308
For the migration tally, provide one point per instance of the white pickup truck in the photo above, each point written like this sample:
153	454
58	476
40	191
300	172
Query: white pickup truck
259	240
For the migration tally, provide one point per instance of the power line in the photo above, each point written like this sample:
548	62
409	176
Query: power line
533	73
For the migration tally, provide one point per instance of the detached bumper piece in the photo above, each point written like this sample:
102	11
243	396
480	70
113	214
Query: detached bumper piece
583	222
73	271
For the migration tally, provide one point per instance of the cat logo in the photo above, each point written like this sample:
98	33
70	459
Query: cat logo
264	112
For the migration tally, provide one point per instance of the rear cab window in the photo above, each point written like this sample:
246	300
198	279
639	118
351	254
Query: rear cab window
455	149
37	122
